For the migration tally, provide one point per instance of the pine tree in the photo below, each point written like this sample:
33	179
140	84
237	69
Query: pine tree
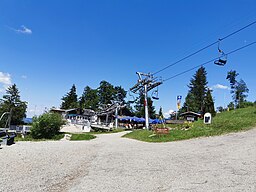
70	99
89	99
198	88
160	113
195	99
140	108
120	94
189	104
11	102
208	103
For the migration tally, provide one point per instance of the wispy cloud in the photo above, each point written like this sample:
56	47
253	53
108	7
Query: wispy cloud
5	80
168	113
219	86
23	29
24	77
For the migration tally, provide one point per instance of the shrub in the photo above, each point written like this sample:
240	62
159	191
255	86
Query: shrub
46	126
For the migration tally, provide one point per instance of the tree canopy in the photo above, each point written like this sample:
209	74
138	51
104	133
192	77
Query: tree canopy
93	99
89	99
70	99
12	103
140	109
199	98
239	88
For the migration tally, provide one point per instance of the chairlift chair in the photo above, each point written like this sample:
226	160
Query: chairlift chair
222	60
155	94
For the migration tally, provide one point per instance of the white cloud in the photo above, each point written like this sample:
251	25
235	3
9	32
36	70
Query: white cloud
219	86
171	111
24	77
5	80
167	114
24	30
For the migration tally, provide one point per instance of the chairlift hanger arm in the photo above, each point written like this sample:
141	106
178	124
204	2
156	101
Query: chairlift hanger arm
152	86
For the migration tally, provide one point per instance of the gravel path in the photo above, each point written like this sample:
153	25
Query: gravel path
111	163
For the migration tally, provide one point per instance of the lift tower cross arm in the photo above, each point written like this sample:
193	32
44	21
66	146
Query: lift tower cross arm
146	82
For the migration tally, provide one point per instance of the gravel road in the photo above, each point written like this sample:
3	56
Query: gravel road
111	163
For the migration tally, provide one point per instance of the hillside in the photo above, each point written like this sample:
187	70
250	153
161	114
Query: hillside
225	122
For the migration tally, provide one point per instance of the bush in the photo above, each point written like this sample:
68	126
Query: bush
46	126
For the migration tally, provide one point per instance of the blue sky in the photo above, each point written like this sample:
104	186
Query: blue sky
46	46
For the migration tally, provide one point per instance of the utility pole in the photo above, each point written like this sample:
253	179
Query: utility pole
146	106
146	82
116	117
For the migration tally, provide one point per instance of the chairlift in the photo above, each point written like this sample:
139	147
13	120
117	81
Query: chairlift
155	94
222	60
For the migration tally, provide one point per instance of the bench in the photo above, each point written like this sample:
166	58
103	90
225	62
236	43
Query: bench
161	131
7	138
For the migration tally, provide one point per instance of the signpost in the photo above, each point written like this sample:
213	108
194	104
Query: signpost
179	97
207	118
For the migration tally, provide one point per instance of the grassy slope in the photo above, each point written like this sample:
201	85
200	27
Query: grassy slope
91	135
29	138
77	137
226	122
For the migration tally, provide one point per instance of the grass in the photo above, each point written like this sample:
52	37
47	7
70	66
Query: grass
107	132
83	136
29	138
226	122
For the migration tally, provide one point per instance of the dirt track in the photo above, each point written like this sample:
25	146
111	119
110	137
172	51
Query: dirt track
112	163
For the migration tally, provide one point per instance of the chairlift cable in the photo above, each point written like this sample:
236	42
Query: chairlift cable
206	47
210	61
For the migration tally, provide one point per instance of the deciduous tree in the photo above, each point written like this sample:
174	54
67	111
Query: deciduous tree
106	93
239	89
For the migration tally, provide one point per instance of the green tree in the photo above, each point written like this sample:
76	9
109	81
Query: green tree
198	88
46	126
127	110
239	89
70	99
231	106
160	113
89	99
119	94
240	93
220	109
189	104
231	76
11	102
208	103
140	108
247	104
195	99
106	93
